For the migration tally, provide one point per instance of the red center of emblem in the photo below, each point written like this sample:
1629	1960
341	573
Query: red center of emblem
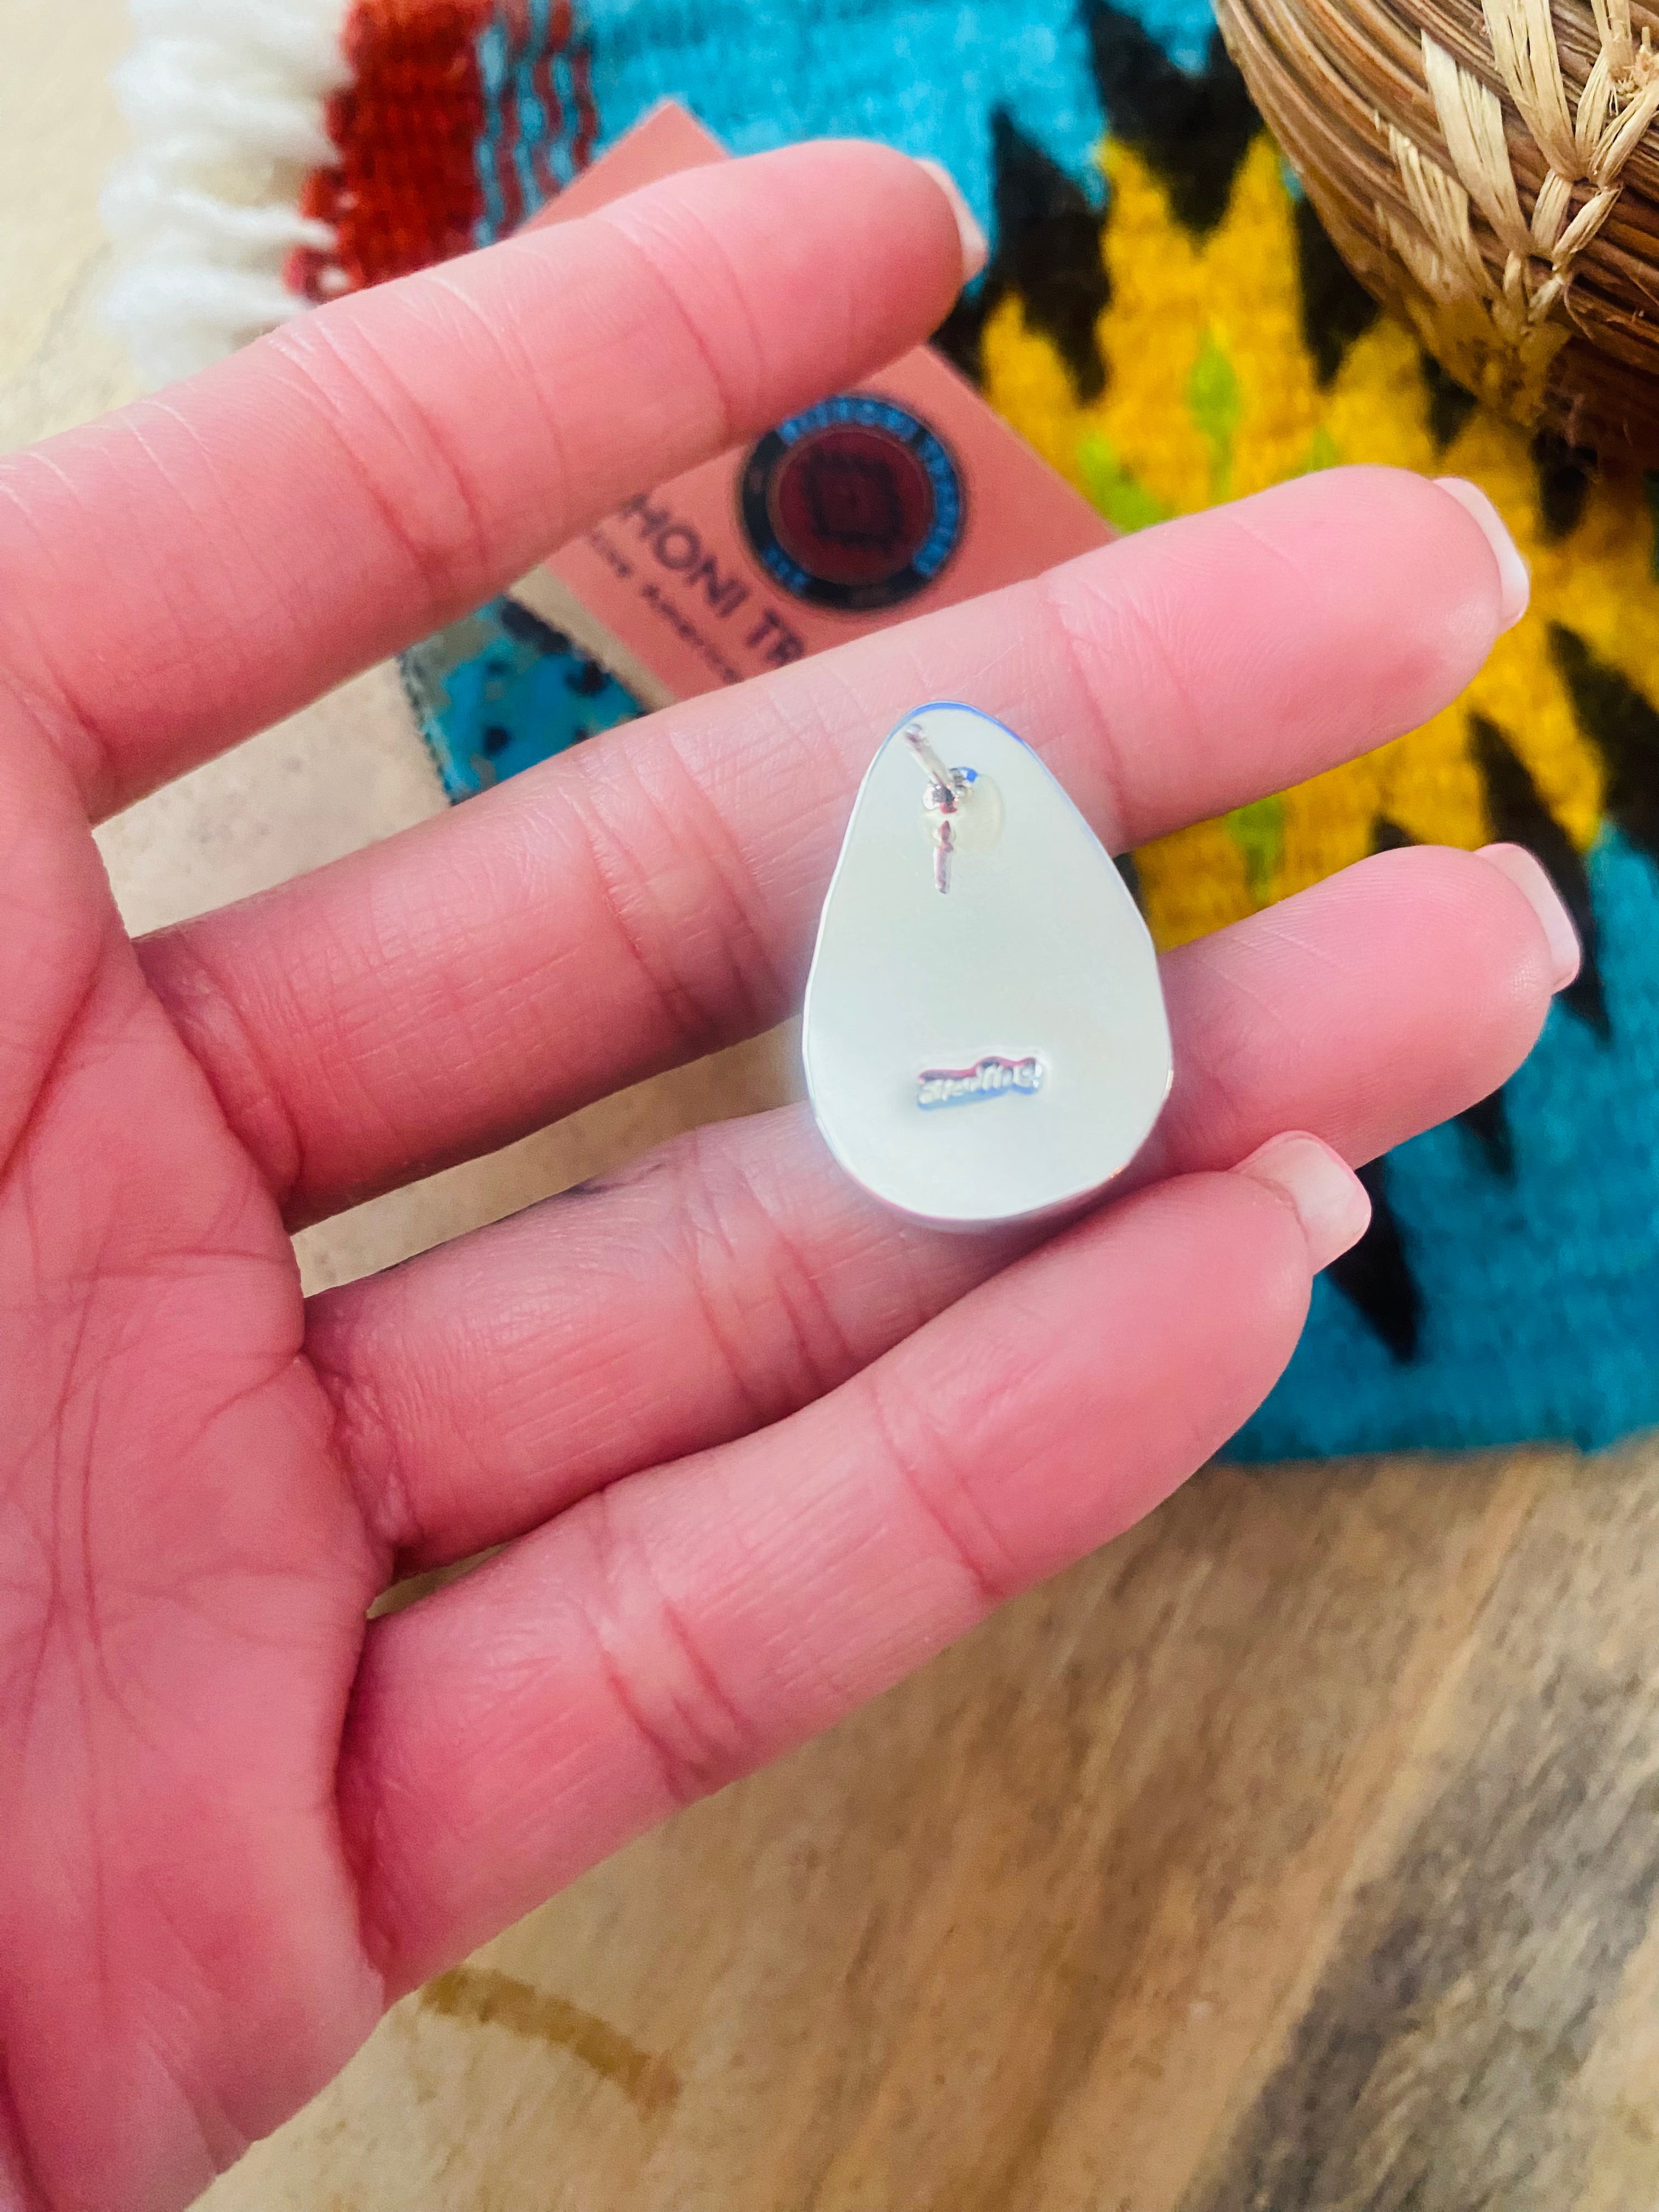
851	505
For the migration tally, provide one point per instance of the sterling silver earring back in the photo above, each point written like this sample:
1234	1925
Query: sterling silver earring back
984	1032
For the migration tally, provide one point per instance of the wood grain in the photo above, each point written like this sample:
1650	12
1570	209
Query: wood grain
1297	1851
1298	1854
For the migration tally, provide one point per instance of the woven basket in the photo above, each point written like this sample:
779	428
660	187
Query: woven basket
1494	175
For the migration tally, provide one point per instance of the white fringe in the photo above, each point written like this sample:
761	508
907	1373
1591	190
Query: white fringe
226	101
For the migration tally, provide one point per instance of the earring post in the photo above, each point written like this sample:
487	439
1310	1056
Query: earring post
945	782
946	789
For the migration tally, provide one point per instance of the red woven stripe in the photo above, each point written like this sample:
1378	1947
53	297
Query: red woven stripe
581	93
404	193
513	16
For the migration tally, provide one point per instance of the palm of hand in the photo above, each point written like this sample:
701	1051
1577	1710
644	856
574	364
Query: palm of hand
186	1572
236	1819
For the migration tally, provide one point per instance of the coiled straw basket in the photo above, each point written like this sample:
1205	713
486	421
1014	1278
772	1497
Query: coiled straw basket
1492	172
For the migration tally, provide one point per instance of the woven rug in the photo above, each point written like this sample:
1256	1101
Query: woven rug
1164	320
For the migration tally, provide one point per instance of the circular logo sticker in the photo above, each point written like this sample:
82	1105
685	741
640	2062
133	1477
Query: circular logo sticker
855	505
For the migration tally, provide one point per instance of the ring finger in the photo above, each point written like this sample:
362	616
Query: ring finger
735	1276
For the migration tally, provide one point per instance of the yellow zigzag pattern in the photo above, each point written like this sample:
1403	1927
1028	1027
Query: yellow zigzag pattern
1210	394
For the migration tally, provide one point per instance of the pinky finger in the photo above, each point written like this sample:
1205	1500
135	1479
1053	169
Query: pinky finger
684	1626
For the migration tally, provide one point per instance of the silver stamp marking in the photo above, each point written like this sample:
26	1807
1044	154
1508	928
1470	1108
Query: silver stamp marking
987	1078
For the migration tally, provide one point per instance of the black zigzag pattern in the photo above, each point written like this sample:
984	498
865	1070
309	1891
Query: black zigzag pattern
1377	1277
1192	130
1623	726
1518	815
1046	251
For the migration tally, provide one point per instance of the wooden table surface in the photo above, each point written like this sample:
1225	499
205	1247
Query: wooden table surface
1298	1854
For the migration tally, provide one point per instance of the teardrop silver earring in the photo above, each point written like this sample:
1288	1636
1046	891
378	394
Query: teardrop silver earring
980	953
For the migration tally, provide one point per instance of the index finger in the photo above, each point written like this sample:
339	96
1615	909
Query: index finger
653	894
193	568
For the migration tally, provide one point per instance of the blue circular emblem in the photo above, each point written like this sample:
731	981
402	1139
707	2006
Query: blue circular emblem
853	505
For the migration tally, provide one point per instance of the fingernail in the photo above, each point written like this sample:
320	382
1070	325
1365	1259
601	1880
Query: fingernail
1329	1199
1530	878
976	250
1514	577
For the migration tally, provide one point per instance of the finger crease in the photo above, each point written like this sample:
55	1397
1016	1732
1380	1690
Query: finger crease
626	886
798	1292
762	981
699	1225
991	1574
366	1451
214	1032
723	429
436	565
1108	766
709	1741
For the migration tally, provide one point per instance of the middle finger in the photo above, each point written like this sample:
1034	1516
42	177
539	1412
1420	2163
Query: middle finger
653	894
737	1274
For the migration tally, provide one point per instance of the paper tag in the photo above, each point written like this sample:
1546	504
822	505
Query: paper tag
904	494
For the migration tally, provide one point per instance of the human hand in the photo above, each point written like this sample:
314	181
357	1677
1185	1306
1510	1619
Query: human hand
755	1446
